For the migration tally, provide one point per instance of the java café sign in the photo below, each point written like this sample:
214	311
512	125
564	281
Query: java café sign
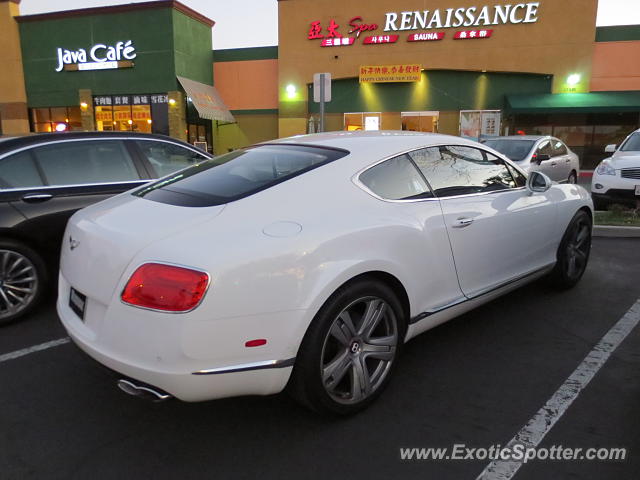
472	22
100	57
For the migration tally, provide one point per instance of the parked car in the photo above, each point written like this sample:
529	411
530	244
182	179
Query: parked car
539	154
308	261
617	178
45	178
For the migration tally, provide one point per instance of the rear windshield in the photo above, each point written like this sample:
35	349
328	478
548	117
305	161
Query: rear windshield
515	150
632	144
238	174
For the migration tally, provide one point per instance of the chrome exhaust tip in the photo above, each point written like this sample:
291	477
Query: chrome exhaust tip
142	391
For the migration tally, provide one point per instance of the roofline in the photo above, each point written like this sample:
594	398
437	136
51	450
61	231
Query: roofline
129	7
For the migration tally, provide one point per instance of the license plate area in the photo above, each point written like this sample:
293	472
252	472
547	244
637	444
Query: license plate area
77	302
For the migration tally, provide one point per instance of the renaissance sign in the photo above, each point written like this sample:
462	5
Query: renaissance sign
462	17
424	22
99	57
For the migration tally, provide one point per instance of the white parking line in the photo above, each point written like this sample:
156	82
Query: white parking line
542	422
34	348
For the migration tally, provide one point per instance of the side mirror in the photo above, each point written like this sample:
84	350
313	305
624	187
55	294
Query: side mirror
610	148
538	183
540	157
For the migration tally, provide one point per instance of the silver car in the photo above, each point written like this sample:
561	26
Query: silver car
540	153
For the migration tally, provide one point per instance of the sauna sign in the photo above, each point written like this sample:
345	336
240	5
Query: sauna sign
97	57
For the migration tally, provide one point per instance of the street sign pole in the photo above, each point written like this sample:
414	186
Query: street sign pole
321	94
321	129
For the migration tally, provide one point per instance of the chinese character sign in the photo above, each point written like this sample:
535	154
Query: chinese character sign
390	73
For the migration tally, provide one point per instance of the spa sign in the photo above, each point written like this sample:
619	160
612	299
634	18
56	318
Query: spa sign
97	57
424	25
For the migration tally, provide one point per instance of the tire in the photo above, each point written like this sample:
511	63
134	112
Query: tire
23	280
573	252
340	368
573	178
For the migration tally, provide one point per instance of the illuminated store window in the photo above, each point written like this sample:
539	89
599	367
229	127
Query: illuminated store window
362	121
420	121
55	119
131	113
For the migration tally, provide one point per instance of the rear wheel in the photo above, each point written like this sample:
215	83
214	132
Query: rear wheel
22	280
573	178
573	253
350	350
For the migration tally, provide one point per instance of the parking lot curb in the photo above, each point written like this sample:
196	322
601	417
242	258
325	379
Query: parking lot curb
612	231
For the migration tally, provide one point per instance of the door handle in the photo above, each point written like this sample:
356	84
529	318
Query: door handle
567	160
462	222
36	197
553	164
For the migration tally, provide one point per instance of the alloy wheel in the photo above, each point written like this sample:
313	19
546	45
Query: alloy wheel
577	249
18	283
358	350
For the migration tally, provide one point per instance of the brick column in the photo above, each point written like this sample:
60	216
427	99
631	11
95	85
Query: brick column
177	116
87	116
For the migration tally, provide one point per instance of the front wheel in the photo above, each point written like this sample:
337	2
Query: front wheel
350	350
573	253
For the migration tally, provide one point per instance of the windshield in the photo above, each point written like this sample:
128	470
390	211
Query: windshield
237	174
632	144
515	150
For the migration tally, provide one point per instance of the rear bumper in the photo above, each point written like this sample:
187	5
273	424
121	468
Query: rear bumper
161	354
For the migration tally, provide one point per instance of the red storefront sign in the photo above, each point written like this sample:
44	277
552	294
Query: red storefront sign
471	34
377	39
337	42
425	36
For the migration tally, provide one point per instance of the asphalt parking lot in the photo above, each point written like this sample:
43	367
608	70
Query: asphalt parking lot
476	380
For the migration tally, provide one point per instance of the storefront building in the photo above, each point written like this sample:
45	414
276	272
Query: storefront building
451	66
447	66
142	67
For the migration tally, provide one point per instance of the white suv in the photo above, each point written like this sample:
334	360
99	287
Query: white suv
617	178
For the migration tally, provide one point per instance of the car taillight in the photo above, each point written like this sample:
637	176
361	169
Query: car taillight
165	287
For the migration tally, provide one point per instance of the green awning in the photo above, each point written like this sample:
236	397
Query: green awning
593	102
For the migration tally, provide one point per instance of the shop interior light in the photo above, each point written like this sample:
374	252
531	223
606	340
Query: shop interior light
189	99
130	122
573	79
149	121
61	127
291	91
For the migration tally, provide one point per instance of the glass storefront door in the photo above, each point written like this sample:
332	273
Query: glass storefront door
362	121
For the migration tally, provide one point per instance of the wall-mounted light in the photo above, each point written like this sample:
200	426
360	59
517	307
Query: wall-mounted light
83	105
130	122
573	79
172	101
61	127
149	121
291	91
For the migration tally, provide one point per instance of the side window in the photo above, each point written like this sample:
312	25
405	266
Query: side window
167	158
85	162
545	148
519	179
19	171
461	170
558	148
396	179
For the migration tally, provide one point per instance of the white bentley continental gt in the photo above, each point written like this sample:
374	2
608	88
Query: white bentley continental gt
308	262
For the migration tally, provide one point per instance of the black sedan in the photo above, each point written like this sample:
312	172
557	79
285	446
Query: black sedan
45	178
